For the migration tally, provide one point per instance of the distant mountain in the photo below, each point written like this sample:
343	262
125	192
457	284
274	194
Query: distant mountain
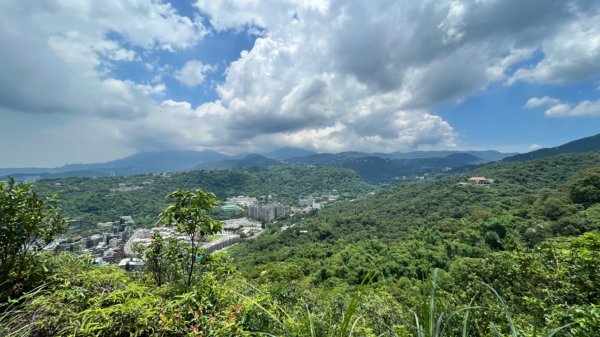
286	183
489	155
577	146
322	158
249	161
373	169
168	160
376	168
287	153
328	158
144	162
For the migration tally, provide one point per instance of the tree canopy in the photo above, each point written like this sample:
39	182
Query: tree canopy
27	224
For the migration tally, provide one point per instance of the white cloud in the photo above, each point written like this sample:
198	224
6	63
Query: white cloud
534	147
454	24
57	55
268	14
535	102
193	73
356	75
327	74
569	56
556	108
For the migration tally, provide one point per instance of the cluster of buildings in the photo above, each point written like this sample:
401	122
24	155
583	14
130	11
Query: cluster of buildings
115	244
266	212
144	237
106	247
244	226
318	201
241	201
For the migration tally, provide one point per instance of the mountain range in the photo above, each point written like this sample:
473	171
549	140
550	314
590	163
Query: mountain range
373	167
586	144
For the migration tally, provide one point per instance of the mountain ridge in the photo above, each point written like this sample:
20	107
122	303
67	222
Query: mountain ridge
581	145
182	160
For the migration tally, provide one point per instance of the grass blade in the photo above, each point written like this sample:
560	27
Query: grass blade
511	323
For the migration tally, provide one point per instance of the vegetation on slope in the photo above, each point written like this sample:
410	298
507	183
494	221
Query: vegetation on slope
406	232
519	258
106	199
586	144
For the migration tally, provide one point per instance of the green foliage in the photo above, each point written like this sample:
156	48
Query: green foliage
538	283
86	300
27	224
189	214
519	258
503	232
586	189
165	259
99	200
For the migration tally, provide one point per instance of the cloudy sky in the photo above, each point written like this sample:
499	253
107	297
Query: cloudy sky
89	81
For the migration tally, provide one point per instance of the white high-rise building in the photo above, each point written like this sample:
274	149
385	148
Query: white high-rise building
266	213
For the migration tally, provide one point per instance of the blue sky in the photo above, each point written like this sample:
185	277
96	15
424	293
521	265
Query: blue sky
497	117
86	81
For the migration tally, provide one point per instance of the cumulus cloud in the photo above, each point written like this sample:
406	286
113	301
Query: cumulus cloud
57	55
358	75
193	73
556	108
330	75
570	56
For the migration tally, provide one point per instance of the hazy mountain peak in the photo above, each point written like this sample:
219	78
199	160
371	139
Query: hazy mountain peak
288	152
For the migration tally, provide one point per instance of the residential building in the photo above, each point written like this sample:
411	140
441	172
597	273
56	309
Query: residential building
480	181
132	264
266	213
306	201
242	201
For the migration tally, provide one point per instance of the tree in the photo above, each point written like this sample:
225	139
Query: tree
586	189
165	259
27	224
189	214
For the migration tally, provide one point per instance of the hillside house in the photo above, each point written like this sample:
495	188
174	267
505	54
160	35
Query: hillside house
480	181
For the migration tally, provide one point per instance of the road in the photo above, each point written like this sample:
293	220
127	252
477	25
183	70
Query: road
140	232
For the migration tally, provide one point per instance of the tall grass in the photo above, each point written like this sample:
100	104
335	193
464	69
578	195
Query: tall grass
438	327
324	324
429	319
14	317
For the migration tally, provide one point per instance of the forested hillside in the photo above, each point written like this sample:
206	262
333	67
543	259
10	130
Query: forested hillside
386	169
143	197
501	235
587	144
434	207
518	258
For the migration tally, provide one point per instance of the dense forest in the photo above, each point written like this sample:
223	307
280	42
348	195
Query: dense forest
520	257
143	196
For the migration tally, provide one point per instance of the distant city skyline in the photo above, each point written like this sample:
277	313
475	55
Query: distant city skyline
87	81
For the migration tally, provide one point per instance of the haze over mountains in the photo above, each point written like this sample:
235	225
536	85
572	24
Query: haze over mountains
173	161
373	167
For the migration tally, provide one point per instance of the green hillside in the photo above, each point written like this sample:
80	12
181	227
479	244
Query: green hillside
586	144
143	196
469	231
519	258
432	207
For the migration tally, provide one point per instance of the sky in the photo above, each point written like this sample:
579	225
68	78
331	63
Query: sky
90	81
